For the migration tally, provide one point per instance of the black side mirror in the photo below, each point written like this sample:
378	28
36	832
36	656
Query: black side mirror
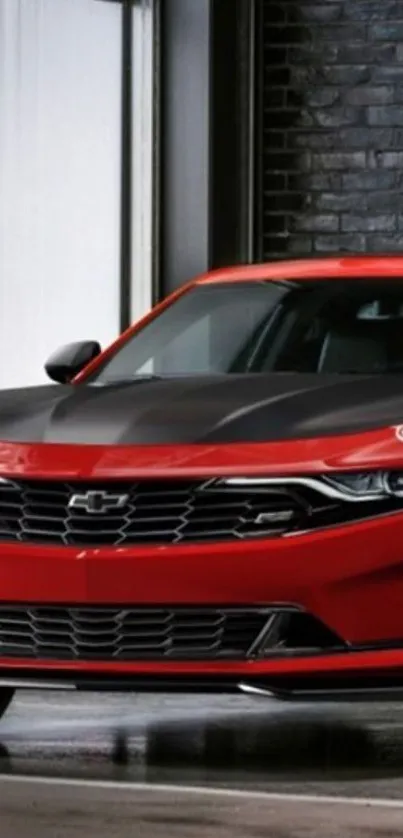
69	360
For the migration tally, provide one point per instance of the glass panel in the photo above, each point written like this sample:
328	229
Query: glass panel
60	86
205	331
332	327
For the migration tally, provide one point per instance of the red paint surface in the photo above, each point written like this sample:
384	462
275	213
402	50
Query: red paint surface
350	577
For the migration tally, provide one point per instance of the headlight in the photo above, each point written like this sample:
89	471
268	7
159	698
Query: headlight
368	485
347	486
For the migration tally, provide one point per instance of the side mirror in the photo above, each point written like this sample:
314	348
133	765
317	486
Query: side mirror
69	360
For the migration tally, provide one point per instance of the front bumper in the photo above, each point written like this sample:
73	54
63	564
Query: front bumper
350	578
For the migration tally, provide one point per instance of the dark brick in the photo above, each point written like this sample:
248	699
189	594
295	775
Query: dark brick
350	52
369	95
368	224
304	52
336	117
296	182
276	223
372	181
341	202
398	92
274	139
392	31
353	243
277	76
306	119
390	115
285	161
275	181
276	99
315	12
345	74
300	245
367	138
385	244
301	77
370	10
389	159
308	139
397	140
356	32
392	73
316	223
340	160
287	202
355	138
274	13
294	98
318	181
275	56
320	97
283	117
290	34
384	201
275	246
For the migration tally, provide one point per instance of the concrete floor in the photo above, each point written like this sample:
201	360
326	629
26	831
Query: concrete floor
63	811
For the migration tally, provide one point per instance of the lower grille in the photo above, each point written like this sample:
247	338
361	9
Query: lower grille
129	634
135	634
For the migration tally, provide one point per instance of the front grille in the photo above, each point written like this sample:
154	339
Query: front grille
156	512
169	512
129	634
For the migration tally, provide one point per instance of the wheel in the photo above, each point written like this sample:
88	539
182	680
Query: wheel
6	697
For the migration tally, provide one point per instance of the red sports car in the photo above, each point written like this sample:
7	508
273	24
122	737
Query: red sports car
215	502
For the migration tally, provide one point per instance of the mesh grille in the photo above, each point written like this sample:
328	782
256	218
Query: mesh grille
155	512
129	634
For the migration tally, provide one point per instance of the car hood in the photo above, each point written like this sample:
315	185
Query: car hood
202	409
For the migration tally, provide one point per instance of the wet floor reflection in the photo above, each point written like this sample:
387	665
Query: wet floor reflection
261	744
252	743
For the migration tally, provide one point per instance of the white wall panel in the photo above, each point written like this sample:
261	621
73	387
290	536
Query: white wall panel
60	83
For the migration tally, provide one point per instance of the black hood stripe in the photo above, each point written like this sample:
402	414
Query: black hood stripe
205	409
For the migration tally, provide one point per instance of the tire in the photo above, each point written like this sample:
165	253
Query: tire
6	697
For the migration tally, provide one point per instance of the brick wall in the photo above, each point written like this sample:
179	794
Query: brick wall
332	126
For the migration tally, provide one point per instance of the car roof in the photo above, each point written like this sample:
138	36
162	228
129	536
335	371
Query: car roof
331	267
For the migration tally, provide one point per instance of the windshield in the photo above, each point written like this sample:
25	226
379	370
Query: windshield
323	326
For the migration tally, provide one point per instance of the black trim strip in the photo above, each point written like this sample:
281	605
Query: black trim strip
258	243
229	153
